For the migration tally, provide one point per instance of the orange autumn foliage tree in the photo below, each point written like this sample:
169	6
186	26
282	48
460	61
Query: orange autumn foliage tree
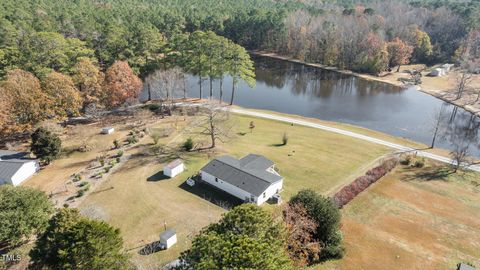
302	247
121	84
399	53
89	80
30	104
66	99
6	108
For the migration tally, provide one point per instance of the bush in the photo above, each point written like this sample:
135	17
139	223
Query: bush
132	139
77	177
188	144
153	107
285	139
406	161
347	193
84	183
45	145
80	193
327	217
120	153
118	159
419	163
116	144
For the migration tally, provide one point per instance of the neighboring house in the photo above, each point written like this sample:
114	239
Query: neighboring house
252	178
168	238
16	167
173	168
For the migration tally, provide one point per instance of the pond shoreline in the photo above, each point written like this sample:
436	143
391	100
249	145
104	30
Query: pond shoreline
440	94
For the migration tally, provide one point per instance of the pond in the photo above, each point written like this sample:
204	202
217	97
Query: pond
294	88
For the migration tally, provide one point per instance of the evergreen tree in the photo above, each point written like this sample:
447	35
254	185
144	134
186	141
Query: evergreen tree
245	238
75	242
23	212
45	145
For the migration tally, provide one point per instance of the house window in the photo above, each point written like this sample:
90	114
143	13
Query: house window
216	179
263	194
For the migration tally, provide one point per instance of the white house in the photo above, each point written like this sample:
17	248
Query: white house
168	238
16	168
107	130
252	178
173	168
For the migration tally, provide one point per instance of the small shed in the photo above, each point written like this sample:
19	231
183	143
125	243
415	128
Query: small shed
107	130
173	168
168	238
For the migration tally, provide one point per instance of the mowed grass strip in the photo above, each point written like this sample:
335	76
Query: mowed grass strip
413	219
142	200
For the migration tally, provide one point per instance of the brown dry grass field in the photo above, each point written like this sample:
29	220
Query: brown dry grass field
413	219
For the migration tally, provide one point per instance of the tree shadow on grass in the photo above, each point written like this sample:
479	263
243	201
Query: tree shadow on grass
435	173
159	176
151	248
212	194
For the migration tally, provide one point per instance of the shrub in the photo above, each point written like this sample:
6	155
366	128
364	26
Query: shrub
419	163
347	193
102	161
118	159
406	160
80	193
132	139
107	169
45	145
285	139
84	183
188	144
327	218
77	177
116	144
120	153
153	107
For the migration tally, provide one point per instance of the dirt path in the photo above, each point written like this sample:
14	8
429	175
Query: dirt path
400	148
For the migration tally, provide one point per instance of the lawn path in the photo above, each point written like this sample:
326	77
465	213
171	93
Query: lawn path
401	148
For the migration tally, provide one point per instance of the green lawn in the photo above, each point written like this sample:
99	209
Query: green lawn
312	158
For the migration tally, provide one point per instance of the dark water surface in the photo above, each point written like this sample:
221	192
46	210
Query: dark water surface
298	89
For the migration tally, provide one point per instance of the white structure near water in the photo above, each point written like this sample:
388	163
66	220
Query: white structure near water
174	168
16	167
168	238
252	178
107	130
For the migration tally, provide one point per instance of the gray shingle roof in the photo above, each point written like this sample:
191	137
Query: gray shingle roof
11	162
248	173
9	168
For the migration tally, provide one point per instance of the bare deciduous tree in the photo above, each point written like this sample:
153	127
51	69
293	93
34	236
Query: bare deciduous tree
215	122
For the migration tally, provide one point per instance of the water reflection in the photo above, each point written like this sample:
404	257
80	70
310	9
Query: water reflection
298	89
